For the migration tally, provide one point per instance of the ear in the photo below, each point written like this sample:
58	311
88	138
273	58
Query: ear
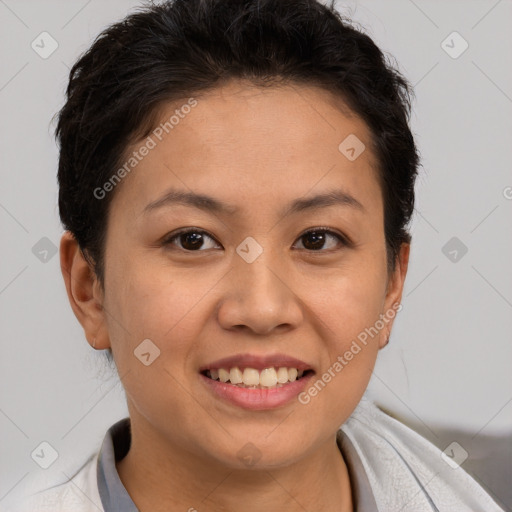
85	292
394	293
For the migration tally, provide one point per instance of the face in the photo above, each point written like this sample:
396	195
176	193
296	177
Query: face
273	278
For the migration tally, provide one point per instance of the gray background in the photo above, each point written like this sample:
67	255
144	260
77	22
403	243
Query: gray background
446	372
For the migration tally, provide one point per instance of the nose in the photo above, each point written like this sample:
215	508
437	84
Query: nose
258	297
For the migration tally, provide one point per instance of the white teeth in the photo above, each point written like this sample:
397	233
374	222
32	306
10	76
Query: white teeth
235	375
292	374
223	375
268	377
282	375
250	377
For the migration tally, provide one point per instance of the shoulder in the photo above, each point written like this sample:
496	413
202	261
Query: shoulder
405	468
78	493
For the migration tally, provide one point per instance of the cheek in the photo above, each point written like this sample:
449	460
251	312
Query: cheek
350	301
156	303
160	305
347	308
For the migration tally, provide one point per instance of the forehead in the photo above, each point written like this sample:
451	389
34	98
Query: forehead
240	140
275	118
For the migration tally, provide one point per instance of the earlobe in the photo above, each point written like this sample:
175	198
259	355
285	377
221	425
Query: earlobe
84	291
396	283
394	292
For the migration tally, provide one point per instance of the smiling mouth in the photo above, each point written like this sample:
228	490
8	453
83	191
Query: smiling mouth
268	378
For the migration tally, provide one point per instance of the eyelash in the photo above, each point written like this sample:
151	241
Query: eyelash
344	241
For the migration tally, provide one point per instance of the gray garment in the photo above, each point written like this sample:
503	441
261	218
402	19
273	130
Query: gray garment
116	444
114	496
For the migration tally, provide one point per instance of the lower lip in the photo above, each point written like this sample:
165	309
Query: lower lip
257	398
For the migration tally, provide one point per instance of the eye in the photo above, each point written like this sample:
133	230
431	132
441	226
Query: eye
198	240
316	238
191	240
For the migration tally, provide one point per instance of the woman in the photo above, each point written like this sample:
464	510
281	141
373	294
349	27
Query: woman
236	180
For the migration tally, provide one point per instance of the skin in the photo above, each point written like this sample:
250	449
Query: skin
255	149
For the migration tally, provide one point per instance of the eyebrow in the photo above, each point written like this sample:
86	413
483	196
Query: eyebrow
210	204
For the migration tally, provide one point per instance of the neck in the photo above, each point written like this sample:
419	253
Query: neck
160	477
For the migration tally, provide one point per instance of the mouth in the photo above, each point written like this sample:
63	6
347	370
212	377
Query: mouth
253	378
257	381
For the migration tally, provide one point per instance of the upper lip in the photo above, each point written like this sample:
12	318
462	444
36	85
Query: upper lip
258	362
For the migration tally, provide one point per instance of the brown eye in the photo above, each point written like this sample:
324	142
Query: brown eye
316	239
192	240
